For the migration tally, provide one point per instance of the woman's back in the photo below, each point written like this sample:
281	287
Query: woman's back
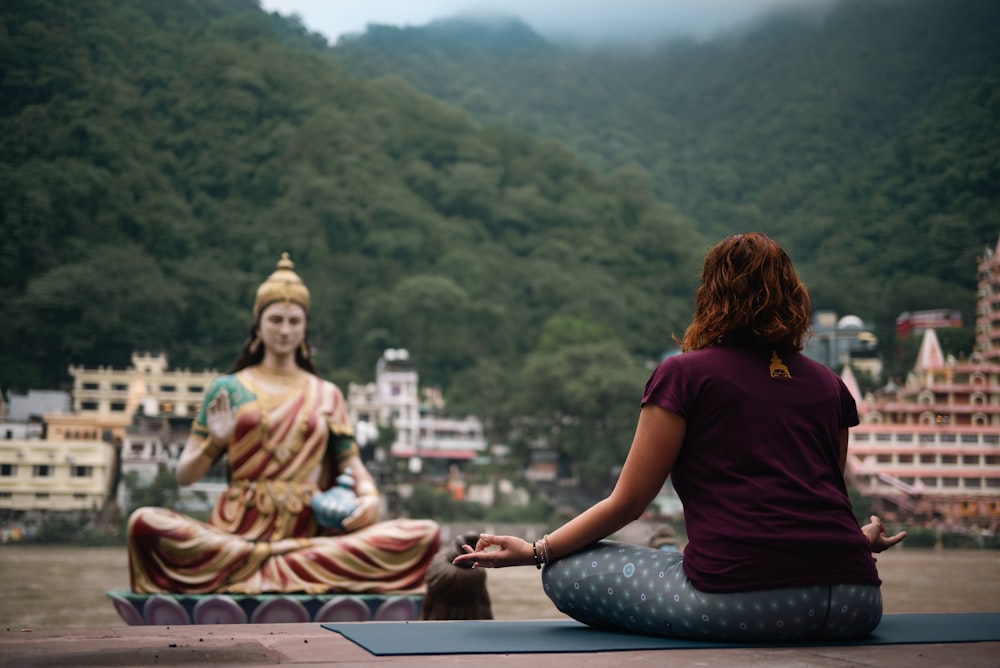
765	501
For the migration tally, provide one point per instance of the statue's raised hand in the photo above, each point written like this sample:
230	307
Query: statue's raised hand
220	420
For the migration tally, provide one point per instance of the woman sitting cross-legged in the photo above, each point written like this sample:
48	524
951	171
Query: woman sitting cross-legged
754	437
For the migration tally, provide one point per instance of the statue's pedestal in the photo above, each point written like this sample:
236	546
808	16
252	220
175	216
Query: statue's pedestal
173	609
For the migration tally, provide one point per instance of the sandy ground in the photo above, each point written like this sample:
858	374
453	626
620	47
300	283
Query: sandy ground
65	587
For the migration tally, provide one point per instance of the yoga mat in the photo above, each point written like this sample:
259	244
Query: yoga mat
500	637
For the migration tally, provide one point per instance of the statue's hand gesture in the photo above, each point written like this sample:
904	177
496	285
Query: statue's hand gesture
220	419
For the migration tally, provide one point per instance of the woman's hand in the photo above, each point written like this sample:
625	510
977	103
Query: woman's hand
365	513
220	419
879	541
511	551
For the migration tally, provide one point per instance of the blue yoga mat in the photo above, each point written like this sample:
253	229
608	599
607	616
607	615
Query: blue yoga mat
499	637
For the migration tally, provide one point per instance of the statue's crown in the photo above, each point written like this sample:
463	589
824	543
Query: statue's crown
284	285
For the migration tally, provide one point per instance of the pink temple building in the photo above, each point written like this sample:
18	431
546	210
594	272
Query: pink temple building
930	450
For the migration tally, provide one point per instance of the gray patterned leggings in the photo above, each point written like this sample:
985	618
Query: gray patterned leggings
644	590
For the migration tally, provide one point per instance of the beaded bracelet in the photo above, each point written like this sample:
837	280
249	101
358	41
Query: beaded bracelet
534	551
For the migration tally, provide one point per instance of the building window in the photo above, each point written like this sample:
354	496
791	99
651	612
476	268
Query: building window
91	386
929	481
928	459
949	459
926	438
904	438
861	438
8	470
6	495
41	495
195	388
970	438
992	439
883	438
993	460
980	420
42	470
947	438
993	482
905	459
118	406
81	471
79	496
395	390
88	405
970	460
949	482
973	483
119	387
884	459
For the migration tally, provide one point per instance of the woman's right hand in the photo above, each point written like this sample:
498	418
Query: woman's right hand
220	419
878	540
511	551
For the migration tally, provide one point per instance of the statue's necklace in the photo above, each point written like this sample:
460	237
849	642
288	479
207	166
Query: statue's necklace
272	389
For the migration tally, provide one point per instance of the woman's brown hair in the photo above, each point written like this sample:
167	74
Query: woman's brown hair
749	293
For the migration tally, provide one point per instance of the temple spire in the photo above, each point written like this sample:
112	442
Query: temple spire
930	356
851	381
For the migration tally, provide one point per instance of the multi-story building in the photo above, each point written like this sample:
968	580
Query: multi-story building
41	475
421	433
930	449
41	472
109	398
147	410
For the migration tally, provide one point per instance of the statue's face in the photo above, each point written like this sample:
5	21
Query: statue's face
282	327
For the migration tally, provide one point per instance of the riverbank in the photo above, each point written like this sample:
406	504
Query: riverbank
46	586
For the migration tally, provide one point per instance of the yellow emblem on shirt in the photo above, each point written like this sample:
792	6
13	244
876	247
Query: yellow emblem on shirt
778	368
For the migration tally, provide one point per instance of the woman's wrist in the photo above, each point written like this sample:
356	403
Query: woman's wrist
540	551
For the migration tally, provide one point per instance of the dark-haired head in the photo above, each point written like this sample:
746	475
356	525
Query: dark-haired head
749	294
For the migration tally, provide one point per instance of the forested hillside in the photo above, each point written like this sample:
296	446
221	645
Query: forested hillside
530	225
865	142
158	158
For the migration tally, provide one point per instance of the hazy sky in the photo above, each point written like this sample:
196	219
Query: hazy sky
581	19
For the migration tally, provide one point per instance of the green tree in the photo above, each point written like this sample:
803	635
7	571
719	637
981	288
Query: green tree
161	492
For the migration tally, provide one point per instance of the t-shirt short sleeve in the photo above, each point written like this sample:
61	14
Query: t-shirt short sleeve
667	389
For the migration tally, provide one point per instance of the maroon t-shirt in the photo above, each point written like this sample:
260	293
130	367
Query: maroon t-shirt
765	503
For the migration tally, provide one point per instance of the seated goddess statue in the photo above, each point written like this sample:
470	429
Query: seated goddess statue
287	438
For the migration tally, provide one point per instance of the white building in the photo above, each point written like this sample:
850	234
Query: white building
845	341
395	399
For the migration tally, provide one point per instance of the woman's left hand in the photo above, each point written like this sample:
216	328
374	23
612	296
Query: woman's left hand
365	513
877	537
512	551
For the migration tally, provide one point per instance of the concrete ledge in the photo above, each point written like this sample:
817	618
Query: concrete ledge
252	645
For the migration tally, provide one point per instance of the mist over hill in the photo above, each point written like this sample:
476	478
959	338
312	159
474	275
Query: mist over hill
863	137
